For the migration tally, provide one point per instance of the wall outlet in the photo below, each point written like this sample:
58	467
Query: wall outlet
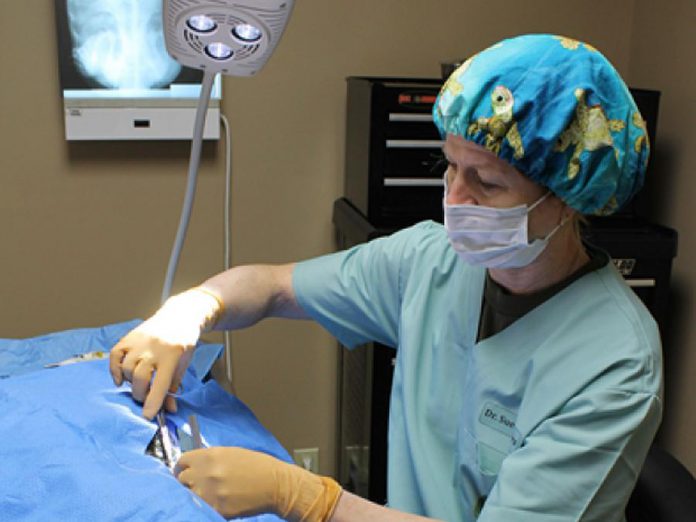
307	458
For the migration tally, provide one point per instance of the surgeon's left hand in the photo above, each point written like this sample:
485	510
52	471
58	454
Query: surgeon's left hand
239	482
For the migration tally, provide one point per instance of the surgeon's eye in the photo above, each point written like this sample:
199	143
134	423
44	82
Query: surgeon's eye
487	186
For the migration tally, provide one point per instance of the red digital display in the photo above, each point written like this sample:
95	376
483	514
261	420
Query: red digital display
417	99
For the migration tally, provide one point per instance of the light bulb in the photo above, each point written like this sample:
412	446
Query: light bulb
247	33
201	23
218	51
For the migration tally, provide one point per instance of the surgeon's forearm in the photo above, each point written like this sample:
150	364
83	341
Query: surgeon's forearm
351	508
250	293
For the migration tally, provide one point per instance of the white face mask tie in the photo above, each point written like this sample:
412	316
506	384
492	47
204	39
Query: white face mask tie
494	237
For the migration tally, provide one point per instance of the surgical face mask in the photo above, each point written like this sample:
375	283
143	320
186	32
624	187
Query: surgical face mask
493	237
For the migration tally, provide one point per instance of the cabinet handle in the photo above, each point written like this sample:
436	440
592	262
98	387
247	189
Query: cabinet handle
640	283
413	182
414	144
405	116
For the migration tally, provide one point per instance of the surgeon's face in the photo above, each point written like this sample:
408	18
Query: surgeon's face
476	176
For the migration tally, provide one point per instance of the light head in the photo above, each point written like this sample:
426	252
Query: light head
232	37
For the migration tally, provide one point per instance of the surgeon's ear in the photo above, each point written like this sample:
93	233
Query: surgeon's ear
569	212
557	208
566	211
577	219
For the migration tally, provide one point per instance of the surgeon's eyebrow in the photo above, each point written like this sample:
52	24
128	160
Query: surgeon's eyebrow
470	165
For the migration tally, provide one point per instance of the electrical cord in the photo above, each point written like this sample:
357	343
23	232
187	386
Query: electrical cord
227	261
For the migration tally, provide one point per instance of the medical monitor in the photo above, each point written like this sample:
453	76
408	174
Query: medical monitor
117	80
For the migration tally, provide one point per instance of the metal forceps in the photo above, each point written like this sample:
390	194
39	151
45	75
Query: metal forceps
168	455
169	441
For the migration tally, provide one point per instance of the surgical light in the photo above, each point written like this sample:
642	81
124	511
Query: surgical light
232	37
201	23
195	32
247	33
219	51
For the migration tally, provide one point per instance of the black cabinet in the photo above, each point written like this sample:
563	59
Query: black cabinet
392	147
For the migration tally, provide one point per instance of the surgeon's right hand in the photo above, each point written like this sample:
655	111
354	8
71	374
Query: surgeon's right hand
155	355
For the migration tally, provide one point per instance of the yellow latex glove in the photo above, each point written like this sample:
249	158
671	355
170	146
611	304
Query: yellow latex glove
239	482
163	346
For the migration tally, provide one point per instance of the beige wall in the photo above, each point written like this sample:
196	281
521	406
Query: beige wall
87	228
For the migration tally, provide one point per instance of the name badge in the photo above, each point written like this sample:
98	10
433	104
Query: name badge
500	419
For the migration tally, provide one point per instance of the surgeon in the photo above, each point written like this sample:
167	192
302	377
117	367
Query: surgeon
528	379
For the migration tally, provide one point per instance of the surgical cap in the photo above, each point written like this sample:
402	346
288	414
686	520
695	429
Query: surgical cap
557	111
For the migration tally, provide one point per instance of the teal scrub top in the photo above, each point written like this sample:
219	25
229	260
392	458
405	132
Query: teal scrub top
548	420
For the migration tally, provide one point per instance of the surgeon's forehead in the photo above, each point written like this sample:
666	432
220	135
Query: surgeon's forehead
458	149
472	155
